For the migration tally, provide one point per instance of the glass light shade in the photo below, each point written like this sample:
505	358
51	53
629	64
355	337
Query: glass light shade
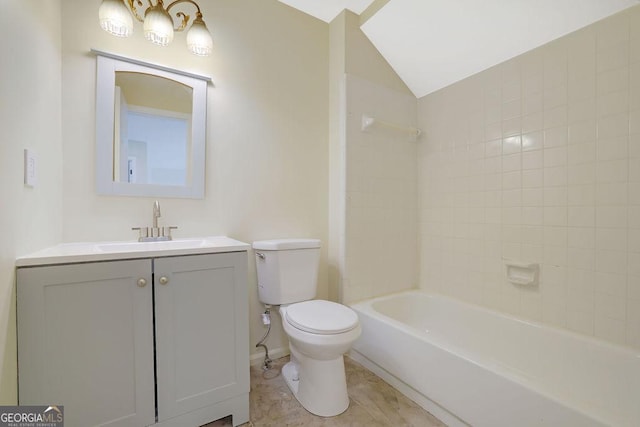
158	26
199	39
115	18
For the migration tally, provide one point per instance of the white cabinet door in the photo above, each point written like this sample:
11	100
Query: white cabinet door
85	341
202	343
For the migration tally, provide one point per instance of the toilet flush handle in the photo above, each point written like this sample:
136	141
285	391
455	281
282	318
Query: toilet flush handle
260	255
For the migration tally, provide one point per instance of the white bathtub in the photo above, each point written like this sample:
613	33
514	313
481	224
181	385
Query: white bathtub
469	365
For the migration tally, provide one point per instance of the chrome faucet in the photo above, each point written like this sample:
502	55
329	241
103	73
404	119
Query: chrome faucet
156	213
154	233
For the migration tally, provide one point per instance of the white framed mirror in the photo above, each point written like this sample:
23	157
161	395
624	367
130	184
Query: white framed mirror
150	129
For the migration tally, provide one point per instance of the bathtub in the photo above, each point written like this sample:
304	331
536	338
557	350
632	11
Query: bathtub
472	366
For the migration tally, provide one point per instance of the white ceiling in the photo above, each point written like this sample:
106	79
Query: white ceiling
434	43
328	9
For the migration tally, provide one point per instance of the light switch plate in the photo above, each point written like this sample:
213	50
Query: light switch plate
30	170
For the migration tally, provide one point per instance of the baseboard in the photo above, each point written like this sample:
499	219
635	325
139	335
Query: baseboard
427	404
276	353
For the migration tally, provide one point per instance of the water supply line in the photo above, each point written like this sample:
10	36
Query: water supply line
266	320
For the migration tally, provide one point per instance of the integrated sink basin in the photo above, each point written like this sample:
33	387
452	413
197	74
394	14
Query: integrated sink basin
161	245
103	251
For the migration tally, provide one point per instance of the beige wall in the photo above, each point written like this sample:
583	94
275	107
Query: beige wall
30	218
337	144
381	193
538	159
267	133
372	209
529	160
267	137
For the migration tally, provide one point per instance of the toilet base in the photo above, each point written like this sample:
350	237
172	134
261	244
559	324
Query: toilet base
290	375
319	385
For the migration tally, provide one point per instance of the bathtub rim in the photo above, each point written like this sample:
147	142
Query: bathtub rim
368	303
367	307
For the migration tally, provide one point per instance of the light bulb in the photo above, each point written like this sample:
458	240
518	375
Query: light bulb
158	26
199	39
115	18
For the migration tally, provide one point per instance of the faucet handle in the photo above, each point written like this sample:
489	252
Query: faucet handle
142	232
166	231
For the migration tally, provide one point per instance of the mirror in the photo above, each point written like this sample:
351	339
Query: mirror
150	130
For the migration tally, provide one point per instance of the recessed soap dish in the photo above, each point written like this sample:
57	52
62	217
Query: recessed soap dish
521	273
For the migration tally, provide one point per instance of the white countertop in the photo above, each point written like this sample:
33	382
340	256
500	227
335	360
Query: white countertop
66	253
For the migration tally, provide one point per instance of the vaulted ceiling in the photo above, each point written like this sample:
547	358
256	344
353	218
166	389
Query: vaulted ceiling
434	43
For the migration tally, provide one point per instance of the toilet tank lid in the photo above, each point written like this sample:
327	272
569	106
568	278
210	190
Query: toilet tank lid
283	244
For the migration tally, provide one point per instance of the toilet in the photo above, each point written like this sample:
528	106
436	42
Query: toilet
320	332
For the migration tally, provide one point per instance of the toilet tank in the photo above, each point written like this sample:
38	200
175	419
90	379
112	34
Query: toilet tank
287	270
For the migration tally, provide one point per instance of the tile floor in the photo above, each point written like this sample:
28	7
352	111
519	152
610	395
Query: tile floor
373	403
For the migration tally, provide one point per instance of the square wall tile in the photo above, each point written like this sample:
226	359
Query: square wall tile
581	237
614	56
613	80
581	153
511	180
581	174
633	237
634	170
580	321
611	283
634	121
581	216
555	196
581	110
612	31
537	158
532	122
555	216
633	324
611	262
555	156
611	103
612	171
613	126
555	176
580	195
533	178
532	141
612	193
634	216
611	239
555	236
610	306
532	159
511	145
612	149
532	103
611	216
609	329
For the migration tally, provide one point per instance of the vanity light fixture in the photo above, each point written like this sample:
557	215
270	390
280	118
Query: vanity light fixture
158	24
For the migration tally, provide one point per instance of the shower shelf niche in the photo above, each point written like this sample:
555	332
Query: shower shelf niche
521	273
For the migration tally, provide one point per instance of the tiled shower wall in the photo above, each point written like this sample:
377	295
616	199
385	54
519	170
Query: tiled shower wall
538	160
381	231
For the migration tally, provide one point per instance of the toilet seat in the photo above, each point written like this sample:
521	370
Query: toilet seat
321	317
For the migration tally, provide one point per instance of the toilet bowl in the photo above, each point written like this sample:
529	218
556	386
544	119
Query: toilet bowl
320	333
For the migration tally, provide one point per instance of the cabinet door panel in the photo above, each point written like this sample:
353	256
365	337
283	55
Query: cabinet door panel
85	341
201	323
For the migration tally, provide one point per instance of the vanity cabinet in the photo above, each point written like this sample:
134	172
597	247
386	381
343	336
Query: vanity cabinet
157	341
